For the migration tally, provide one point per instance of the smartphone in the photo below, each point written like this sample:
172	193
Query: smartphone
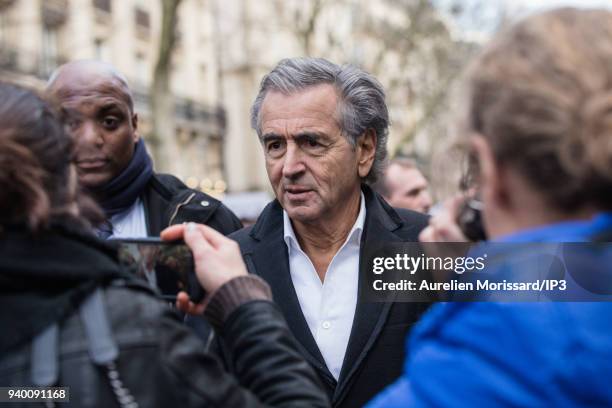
166	266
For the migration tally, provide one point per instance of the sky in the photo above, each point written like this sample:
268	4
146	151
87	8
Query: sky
479	18
539	4
529	6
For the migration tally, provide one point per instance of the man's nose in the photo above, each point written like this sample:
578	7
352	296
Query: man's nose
88	133
426	200
293	165
427	197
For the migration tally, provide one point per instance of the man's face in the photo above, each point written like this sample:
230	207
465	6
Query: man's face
408	189
311	165
101	122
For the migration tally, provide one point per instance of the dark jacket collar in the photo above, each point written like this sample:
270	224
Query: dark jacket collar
378	211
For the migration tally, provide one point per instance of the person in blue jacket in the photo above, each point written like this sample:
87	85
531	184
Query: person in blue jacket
539	121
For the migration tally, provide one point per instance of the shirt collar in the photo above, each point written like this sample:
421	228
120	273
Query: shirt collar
354	236
117	219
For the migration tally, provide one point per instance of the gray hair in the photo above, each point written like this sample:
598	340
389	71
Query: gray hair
361	103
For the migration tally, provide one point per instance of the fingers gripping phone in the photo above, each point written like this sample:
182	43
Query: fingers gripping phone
166	266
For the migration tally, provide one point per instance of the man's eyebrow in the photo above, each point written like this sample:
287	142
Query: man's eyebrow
270	137
415	190
306	135
111	106
309	135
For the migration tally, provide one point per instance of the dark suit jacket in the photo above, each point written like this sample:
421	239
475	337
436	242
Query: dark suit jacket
375	353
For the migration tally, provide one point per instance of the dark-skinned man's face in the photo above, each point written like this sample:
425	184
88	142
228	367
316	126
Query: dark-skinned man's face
98	115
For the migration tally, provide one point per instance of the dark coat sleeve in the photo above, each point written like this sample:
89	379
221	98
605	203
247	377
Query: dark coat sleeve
269	369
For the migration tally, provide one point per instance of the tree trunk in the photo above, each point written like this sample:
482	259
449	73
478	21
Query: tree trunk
163	139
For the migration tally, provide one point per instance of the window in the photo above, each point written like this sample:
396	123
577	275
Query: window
54	13
103	5
142	23
142	72
101	50
142	18
50	55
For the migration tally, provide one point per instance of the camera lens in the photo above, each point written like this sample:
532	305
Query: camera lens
469	220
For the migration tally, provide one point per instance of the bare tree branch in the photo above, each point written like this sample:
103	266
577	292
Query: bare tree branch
163	143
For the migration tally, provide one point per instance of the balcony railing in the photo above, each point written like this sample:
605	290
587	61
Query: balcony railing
36	65
188	110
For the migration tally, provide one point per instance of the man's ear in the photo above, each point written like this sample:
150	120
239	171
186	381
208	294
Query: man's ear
366	150
136	134
493	183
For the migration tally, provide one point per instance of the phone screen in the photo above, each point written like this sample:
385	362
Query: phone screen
167	266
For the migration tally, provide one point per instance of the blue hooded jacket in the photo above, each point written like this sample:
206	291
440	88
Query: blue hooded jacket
548	354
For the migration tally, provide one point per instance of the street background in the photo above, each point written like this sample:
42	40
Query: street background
195	67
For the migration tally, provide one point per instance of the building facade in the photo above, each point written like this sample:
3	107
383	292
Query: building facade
36	36
223	49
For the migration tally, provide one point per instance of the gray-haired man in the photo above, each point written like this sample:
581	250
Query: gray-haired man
323	129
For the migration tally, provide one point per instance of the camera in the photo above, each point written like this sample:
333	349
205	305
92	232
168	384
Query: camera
469	219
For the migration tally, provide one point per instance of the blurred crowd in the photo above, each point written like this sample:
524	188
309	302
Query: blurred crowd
279	317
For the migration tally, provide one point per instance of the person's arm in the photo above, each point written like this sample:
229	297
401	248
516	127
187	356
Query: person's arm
269	369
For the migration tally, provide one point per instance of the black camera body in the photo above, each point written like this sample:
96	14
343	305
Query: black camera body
469	219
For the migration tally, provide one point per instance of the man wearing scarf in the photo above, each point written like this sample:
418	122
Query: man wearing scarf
112	162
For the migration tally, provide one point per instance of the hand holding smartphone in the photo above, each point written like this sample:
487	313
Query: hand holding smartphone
217	260
169	263
166	265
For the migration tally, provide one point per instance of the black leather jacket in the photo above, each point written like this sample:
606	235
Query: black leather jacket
168	201
160	361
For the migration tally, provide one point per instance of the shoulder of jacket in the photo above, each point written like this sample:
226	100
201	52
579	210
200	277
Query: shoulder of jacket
177	193
187	204
174	187
243	237
412	218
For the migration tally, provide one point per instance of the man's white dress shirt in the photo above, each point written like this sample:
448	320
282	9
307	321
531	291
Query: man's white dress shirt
130	223
328	306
